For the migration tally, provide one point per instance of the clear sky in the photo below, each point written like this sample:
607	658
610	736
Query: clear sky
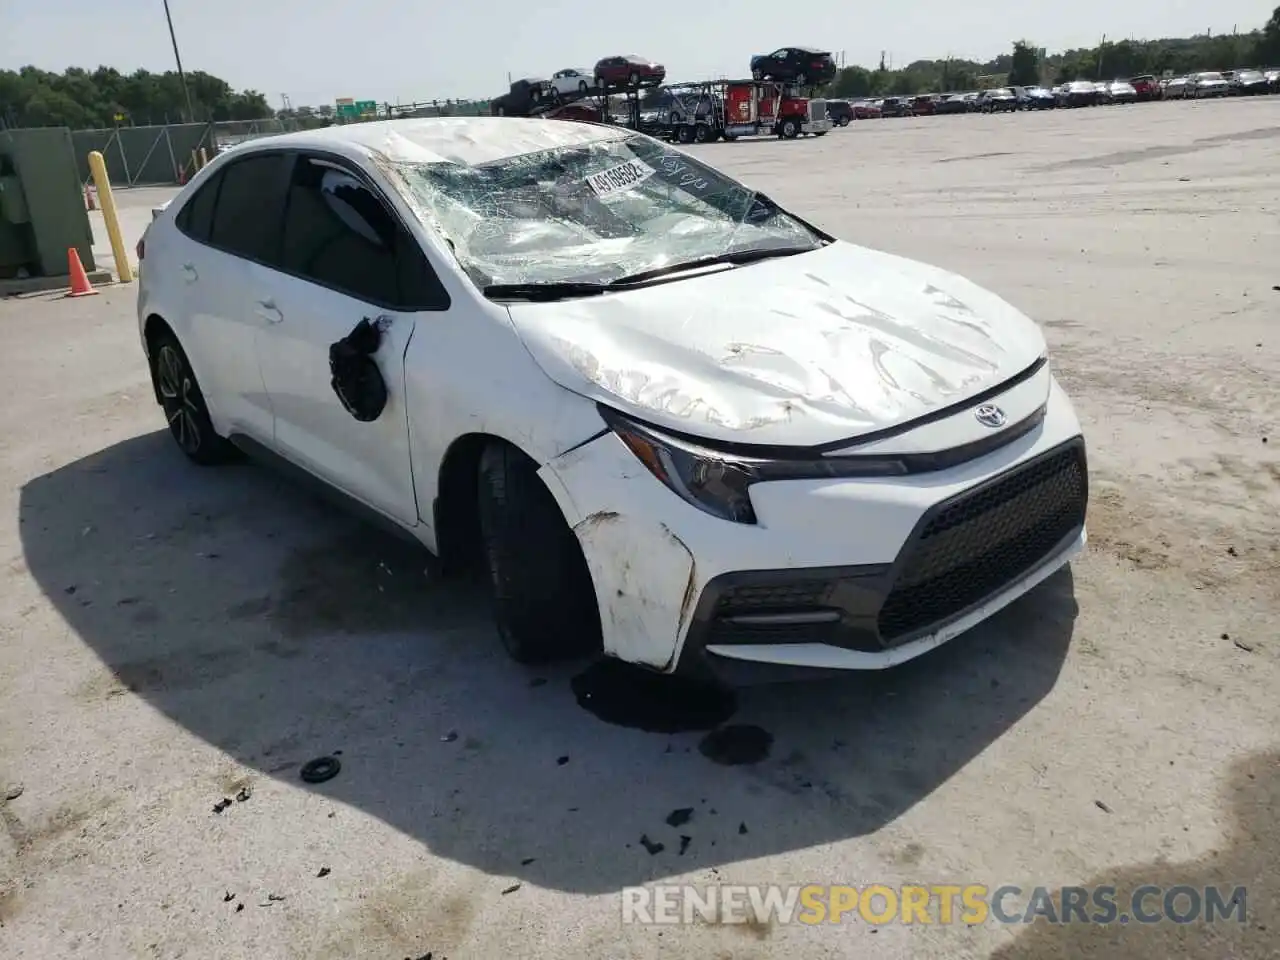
316	50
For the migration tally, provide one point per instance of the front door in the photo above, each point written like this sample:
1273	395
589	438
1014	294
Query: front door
344	258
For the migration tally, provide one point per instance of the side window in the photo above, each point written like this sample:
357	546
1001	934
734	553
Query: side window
338	233
246	220
195	219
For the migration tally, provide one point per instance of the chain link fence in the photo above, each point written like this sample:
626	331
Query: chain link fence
146	156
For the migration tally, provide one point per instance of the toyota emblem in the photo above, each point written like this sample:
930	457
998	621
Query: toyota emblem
989	415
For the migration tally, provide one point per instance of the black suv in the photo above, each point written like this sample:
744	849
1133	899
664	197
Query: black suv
840	112
802	65
523	98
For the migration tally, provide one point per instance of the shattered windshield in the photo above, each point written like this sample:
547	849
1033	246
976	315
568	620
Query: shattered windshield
593	212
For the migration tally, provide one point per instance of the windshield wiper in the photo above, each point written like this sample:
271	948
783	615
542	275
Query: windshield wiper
556	290
566	289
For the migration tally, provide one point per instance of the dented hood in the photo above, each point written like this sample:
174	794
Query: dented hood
800	350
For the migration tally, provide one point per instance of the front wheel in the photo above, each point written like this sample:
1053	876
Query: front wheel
789	129
544	599
184	406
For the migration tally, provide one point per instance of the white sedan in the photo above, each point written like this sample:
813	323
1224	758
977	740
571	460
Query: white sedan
1209	84
572	83
672	421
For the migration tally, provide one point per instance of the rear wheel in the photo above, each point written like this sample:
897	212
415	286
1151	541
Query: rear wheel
684	133
544	599
184	405
583	88
701	133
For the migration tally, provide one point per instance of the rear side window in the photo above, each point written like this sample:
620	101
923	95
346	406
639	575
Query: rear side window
338	233
195	219
246	221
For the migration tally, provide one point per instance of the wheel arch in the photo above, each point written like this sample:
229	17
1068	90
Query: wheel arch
152	329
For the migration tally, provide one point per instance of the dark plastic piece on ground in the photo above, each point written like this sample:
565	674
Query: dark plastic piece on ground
320	769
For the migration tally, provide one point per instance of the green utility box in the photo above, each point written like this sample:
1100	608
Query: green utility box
42	208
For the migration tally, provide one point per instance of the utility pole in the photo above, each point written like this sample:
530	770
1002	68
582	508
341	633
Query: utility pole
182	77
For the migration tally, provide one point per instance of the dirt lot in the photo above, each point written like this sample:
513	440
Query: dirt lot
170	635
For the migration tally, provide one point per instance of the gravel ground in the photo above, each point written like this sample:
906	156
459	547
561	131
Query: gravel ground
171	636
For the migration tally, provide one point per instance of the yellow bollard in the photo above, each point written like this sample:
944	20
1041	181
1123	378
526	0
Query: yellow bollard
98	167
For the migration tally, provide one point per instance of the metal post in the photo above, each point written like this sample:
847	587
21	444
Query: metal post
182	77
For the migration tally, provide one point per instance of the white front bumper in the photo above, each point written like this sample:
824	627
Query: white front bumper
651	554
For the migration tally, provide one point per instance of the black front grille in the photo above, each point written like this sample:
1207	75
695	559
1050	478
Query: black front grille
972	546
761	598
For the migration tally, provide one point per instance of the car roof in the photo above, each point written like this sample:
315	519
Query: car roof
809	50
463	140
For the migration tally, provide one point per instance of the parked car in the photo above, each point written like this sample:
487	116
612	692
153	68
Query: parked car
461	349
999	100
629	72
1078	93
572	83
799	65
1121	91
1103	91
1248	83
1037	98
953	103
1147	87
1178	88
924	106
1209	84
895	107
840	112
525	95
1273	80
866	110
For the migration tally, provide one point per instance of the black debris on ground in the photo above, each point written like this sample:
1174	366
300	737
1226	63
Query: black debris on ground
1102	806
742	829
449	737
736	745
322	872
244	794
222	804
320	769
13	792
678	818
228	897
684	843
561	761
274	897
527	860
1246	647
511	889
651	845
239	907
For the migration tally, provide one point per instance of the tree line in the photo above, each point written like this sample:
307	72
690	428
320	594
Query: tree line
80	99
1027	65
105	97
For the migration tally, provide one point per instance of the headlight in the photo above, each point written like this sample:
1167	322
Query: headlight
717	482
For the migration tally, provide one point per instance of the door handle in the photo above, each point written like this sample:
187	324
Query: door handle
189	271
268	311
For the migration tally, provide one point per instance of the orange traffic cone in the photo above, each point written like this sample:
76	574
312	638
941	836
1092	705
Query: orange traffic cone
80	286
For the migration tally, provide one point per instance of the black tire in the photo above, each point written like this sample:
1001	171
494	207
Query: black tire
633	80
583	89
701	133
789	129
544	599
684	133
184	406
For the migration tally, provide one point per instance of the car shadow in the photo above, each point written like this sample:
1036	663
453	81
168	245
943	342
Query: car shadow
1248	857
277	629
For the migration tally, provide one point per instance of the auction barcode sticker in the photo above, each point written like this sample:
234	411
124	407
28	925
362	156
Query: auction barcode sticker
622	177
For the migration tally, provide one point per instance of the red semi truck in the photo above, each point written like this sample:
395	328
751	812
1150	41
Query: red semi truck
761	107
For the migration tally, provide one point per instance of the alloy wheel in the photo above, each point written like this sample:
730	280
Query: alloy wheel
180	398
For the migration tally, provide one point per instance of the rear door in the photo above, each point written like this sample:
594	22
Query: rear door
345	256
233	221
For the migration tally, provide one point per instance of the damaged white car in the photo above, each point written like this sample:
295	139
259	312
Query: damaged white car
671	420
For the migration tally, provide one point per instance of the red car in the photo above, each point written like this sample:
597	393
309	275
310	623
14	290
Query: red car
629	71
1147	87
866	110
